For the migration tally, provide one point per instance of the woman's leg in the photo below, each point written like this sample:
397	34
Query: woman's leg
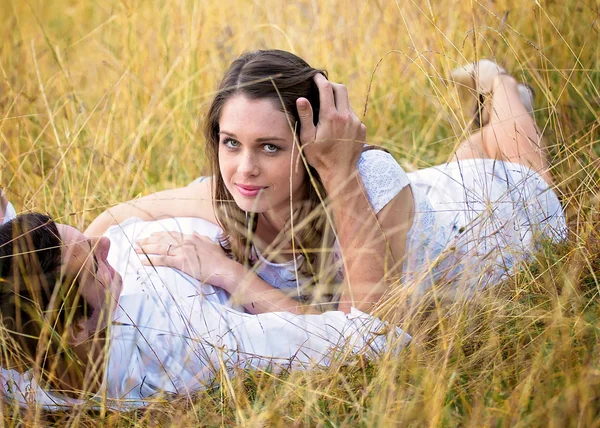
511	134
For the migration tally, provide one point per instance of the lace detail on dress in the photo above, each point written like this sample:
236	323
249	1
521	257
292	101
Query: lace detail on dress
425	242
382	177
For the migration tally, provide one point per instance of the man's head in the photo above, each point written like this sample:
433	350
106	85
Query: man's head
57	289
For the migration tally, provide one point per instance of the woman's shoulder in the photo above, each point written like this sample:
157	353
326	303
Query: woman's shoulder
383	178
205	180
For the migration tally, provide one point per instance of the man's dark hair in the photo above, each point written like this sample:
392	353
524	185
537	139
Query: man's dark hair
37	302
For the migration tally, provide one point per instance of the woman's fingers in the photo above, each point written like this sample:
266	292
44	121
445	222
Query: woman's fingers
186	256
329	147
162	246
347	115
363	133
164	249
178	263
340	94
332	96
160	237
159	261
160	243
308	129
326	97
335	104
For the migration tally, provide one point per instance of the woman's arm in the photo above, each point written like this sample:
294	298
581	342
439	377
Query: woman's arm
199	257
258	296
194	200
373	246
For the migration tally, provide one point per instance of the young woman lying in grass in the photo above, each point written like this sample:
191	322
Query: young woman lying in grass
311	214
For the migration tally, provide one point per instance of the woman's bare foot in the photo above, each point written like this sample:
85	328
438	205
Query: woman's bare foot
475	82
510	133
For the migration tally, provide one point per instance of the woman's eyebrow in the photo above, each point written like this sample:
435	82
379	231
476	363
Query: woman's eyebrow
260	140
229	134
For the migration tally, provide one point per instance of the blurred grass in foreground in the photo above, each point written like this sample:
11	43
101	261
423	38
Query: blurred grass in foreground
100	101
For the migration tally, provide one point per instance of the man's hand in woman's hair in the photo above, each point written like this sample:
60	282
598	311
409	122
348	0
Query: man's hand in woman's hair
335	144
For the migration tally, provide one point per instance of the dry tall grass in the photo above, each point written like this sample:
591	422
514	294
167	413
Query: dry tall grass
99	103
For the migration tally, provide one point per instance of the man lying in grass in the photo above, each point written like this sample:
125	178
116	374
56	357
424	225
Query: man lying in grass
85	330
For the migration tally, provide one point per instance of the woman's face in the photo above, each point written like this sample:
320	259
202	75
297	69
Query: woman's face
258	158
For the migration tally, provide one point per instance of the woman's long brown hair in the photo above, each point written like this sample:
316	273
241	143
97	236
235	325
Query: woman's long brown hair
282	77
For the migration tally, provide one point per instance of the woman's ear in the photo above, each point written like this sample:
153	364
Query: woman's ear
79	331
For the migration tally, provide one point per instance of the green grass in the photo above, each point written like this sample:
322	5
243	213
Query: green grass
100	102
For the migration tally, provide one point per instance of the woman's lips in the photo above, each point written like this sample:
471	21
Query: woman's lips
246	190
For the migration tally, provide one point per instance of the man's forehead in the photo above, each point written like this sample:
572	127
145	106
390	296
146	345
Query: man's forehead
74	241
69	235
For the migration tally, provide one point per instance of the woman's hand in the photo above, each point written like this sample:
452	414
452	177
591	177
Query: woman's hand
335	144
195	255
204	260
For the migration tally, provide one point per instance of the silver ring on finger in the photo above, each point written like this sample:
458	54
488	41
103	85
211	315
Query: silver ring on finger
169	247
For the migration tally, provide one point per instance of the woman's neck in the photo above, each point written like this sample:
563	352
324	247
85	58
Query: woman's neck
268	227
268	240
271	224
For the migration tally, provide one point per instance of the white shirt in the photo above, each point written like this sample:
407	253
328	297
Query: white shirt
171	334
9	214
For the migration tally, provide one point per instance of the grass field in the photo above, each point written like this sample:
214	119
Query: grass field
101	101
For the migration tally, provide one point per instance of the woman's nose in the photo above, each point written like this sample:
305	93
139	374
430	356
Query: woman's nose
248	165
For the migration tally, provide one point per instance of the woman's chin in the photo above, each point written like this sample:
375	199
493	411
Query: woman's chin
251	205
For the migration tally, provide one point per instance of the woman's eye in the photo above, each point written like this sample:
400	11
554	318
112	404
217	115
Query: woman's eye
232	144
271	148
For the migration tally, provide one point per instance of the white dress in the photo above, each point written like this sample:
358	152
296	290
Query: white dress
494	215
475	221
